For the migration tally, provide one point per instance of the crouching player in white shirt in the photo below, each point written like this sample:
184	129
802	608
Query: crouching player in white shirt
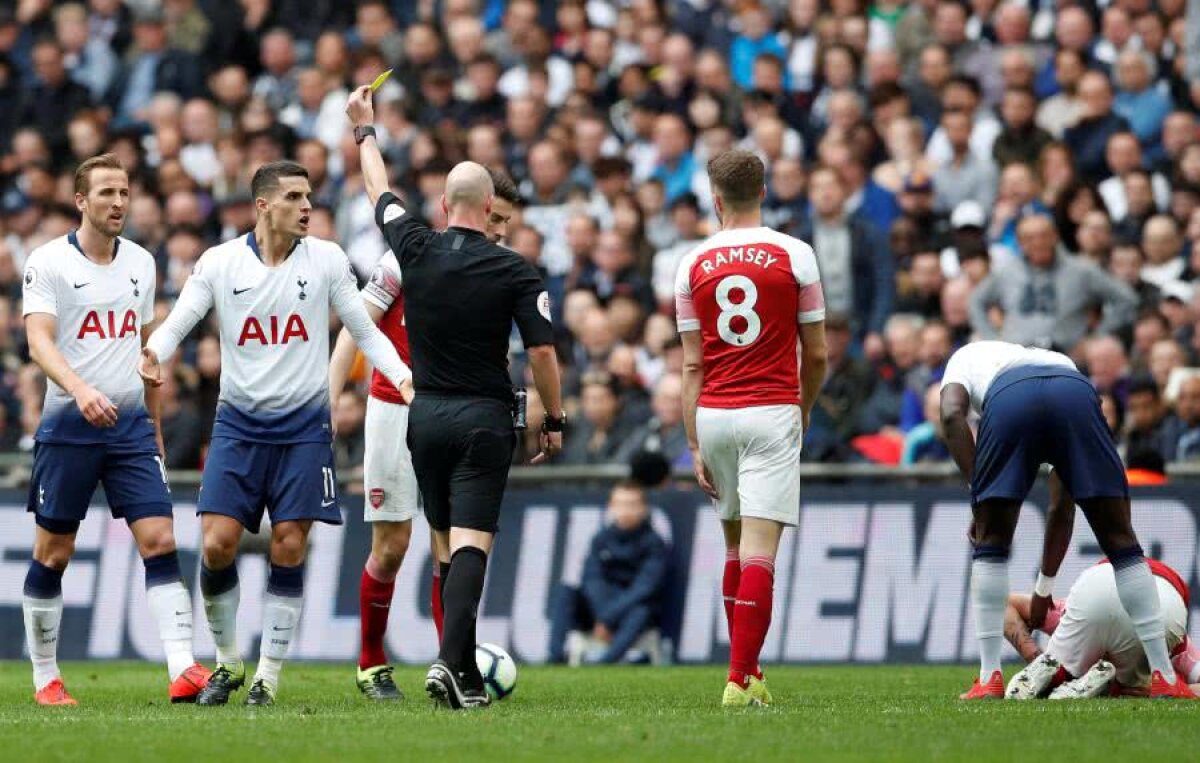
271	445
1036	408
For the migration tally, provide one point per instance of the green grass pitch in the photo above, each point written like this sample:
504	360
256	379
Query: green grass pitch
887	713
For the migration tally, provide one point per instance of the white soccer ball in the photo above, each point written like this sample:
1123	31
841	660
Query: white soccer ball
498	669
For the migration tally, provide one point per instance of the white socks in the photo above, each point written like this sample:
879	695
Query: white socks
42	620
1139	597
221	611
172	609
281	617
989	595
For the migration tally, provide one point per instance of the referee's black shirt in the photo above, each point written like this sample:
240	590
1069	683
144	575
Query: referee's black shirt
461	296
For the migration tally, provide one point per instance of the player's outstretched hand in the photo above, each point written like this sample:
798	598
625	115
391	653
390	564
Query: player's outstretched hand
96	407
1039	607
406	391
359	108
149	368
703	475
551	443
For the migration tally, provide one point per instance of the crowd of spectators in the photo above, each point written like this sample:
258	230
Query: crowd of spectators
1019	170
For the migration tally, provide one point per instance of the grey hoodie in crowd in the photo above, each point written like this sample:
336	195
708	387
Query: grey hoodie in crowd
1052	307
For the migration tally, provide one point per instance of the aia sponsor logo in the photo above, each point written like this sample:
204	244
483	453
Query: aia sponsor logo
269	331
108	325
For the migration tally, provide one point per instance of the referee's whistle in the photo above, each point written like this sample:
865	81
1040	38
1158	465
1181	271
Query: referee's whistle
520	401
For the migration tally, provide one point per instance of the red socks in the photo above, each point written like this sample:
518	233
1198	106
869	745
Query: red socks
751	617
374	605
729	585
436	596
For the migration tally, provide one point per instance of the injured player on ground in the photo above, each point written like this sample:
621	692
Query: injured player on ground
1093	650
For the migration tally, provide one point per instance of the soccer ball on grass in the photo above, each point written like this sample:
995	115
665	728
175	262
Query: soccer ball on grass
498	669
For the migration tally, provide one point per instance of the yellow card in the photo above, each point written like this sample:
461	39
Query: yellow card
382	78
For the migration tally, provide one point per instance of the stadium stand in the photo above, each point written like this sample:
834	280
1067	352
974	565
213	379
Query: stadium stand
908	141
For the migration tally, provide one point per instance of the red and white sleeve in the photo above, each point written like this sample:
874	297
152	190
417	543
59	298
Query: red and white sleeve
811	306
685	309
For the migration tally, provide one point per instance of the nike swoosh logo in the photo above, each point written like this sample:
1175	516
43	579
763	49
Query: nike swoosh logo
277	628
381	606
241	291
181	614
81	285
325	504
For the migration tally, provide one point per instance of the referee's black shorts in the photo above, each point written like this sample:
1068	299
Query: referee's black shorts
462	448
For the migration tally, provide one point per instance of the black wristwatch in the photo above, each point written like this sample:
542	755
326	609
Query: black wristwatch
361	133
551	424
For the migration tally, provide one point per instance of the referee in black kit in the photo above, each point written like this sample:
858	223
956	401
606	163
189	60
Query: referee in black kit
461	296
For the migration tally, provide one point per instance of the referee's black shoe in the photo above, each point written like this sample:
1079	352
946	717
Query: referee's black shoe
448	687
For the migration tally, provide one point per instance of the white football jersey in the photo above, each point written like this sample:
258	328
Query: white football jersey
976	365
100	311
274	326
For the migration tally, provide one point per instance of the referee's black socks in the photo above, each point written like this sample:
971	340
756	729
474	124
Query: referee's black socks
462	588
443	573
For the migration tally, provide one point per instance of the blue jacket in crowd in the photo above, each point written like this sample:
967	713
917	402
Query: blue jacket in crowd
624	568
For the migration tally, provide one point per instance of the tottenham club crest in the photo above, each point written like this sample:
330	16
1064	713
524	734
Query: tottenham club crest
302	283
134	281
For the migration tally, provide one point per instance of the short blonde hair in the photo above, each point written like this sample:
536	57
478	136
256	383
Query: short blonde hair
83	175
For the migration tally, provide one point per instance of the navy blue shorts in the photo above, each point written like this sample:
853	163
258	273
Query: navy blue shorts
1036	415
65	478
242	479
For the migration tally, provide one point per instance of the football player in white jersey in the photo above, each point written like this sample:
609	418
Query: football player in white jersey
393	498
1036	408
88	305
271	447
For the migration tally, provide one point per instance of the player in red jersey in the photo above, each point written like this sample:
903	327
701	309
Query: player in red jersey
752	318
1094	638
1093	649
393	498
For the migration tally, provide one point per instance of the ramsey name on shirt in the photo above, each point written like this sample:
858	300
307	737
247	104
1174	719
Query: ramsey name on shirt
747	290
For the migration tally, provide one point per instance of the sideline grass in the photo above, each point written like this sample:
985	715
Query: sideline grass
887	713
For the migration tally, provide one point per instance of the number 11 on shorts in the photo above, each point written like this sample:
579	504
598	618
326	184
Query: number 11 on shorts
330	484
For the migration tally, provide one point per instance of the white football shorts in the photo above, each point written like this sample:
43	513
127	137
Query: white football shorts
1095	626
392	494
753	455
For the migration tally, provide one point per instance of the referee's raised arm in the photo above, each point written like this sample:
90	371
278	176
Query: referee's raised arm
361	111
462	294
402	231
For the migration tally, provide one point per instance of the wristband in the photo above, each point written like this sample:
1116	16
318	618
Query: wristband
361	133
552	424
1044	586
